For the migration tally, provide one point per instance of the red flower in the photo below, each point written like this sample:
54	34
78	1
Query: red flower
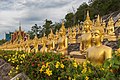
33	64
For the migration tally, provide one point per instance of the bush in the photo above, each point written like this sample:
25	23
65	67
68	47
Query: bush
52	66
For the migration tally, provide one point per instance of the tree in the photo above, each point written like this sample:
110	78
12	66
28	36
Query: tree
104	7
69	20
47	26
35	30
2	41
56	26
81	12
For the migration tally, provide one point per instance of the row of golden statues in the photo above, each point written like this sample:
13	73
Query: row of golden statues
90	38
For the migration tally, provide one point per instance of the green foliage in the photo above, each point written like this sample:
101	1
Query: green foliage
70	18
112	67
81	12
47	26
101	7
35	30
56	27
2	41
39	31
52	66
104	7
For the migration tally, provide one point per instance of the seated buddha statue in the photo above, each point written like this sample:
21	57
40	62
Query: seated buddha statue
21	45
70	35
35	42
62	41
98	53
110	27
74	35
117	24
43	43
50	41
56	37
85	38
110	32
27	45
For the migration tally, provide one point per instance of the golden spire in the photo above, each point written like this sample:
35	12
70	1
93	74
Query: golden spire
62	29
87	21
97	23
103	23
111	22
19	26
98	18
88	17
63	26
51	32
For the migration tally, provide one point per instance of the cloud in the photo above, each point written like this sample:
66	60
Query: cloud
30	12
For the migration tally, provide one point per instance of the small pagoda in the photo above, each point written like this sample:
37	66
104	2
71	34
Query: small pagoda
19	35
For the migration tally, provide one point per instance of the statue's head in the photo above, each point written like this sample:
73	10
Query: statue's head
87	26
62	32
97	35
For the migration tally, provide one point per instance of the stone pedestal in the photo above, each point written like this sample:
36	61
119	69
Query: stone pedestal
77	54
110	37
71	41
63	51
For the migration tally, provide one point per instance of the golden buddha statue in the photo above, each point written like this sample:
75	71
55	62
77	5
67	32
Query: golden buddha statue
70	35
117	24
68	32
74	35
98	53
21	44
43	42
27	46
63	40
110	34
110	27
103	24
44	48
50	41
35	43
56	37
85	38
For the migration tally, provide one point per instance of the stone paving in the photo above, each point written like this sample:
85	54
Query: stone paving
4	70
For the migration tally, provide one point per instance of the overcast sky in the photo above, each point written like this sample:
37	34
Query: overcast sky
30	12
